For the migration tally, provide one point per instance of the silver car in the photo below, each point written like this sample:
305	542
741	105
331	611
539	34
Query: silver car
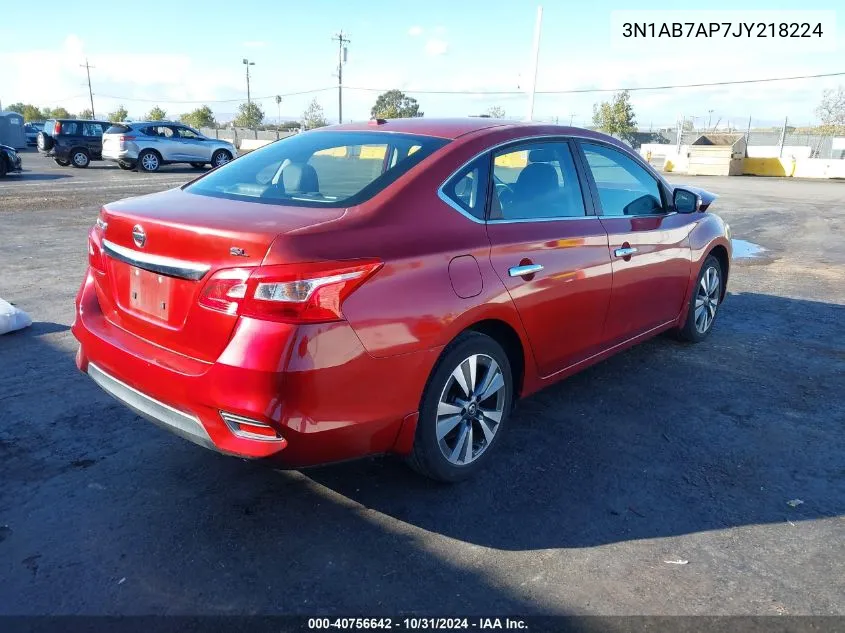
148	145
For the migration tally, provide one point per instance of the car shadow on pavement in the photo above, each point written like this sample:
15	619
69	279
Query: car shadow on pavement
31	177
662	440
666	439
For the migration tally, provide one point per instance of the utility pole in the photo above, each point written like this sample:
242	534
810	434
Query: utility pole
341	59
534	63
709	118
279	117
783	135
571	117
88	68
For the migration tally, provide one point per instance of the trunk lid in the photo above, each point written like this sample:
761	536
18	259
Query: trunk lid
160	251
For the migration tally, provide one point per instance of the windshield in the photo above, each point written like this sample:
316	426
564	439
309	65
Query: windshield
319	169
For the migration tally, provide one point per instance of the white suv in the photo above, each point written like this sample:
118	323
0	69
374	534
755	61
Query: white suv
148	145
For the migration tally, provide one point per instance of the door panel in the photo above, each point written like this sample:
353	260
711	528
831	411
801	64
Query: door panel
538	224
563	306
649	285
648	244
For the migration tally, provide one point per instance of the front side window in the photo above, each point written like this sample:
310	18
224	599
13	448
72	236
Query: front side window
624	186
319	169
92	129
536	181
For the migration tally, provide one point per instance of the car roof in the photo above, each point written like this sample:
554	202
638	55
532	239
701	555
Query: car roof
456	127
152	123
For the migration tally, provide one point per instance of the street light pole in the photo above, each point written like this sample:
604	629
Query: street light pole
248	63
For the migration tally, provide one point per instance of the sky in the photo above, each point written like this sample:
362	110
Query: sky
179	55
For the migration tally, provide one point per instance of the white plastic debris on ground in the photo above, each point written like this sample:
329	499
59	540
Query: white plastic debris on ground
12	318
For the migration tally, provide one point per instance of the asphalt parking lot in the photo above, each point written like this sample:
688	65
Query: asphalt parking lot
667	452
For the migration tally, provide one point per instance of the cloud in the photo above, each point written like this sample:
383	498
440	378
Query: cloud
436	47
254	44
440	30
415	31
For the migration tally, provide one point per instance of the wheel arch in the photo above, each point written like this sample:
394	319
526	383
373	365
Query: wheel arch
721	254
506	336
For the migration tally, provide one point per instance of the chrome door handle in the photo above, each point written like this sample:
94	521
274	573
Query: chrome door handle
625	252
521	271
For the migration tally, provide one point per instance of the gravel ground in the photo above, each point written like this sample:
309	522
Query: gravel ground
665	452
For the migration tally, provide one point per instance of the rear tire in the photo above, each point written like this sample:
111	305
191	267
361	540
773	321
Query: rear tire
149	161
125	166
3	167
220	158
704	303
61	162
198	165
80	158
464	409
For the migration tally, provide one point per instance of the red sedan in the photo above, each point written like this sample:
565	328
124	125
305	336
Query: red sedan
390	287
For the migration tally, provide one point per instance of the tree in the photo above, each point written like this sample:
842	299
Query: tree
17	107
496	112
616	117
250	115
395	104
86	114
201	117
56	113
831	111
120	114
314	116
156	114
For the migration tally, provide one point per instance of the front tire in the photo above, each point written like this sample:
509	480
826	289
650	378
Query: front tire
79	158
220	158
704	303
149	161
464	409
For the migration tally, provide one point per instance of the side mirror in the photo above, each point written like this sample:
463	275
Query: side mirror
685	201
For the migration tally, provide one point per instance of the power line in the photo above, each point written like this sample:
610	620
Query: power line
586	90
491	92
235	100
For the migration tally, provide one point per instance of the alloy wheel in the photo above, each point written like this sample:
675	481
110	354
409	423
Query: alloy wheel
470	409
150	162
80	159
221	159
707	299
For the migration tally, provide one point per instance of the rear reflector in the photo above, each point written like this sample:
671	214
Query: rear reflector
249	428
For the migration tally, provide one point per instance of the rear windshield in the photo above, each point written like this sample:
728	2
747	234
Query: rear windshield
48	126
118	129
319	169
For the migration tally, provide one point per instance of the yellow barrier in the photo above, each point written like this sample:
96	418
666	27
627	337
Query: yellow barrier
768	167
337	152
514	159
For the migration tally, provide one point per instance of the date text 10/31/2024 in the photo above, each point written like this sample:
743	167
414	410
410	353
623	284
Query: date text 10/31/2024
417	623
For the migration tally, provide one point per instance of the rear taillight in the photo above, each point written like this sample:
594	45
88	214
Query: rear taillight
291	293
225	289
57	129
123	139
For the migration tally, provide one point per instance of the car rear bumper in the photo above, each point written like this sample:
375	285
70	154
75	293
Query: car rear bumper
117	155
326	399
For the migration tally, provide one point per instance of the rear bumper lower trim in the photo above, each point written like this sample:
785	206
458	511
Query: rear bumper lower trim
163	415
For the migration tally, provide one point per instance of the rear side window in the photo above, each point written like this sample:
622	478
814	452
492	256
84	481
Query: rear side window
319	169
467	189
69	128
118	129
161	131
536	181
